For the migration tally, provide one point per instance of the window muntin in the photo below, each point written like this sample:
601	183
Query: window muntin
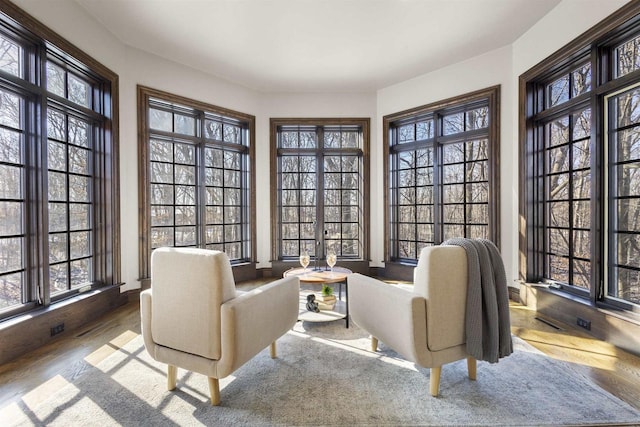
567	162
320	196
198	179
566	158
342	202
68	85
58	171
439	176
225	213
173	193
627	57
70	180
465	189
568	86
623	280
414	201
11	56
12	200
298	203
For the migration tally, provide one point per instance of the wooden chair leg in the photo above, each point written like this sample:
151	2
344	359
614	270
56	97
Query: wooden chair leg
374	344
172	377
214	391
273	350
472	366
434	382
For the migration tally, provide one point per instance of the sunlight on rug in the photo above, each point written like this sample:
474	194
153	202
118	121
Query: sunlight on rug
325	375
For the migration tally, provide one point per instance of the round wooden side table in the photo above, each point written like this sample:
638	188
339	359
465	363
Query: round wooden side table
310	276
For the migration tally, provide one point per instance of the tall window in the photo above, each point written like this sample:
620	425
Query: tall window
197	176
581	194
442	174
319	175
58	171
623	118
567	159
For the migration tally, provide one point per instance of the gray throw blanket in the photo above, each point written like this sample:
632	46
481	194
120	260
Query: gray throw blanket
487	323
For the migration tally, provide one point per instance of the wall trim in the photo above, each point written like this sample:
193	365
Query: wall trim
617	327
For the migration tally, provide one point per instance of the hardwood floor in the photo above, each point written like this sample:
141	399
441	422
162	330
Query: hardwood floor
613	369
36	375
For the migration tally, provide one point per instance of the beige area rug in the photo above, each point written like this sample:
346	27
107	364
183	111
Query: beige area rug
325	375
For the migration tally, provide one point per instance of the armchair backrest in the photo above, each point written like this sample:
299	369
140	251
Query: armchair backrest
441	278
189	285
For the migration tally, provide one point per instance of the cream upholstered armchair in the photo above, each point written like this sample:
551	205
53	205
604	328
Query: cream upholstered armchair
193	317
426	324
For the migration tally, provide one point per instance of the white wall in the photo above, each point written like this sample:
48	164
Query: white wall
564	23
501	66
70	21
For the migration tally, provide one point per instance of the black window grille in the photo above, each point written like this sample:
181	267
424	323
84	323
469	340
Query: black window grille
442	166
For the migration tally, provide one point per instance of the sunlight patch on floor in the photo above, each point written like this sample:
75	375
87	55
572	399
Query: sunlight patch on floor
299	334
104	416
517	306
107	350
36	396
11	414
343	346
584	351
367	353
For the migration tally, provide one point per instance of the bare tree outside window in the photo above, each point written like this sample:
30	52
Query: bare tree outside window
628	57
58	172
320	196
581	195
70	183
11	57
568	163
439	176
12	199
625	206
197	177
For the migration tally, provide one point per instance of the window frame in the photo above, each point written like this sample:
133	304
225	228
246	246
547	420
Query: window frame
597	47
363	124
42	46
466	102
202	111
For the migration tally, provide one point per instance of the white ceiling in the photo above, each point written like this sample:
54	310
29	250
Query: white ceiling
317	45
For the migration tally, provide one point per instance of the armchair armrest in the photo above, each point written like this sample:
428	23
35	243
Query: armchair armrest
253	320
389	313
145	320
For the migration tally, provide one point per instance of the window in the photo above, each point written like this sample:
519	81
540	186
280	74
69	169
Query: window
442	174
197	177
58	170
322	194
581	192
623	178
